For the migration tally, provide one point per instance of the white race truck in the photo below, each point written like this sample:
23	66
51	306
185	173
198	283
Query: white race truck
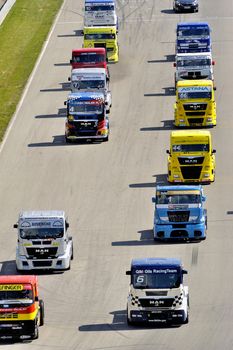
195	66
43	241
91	79
156	292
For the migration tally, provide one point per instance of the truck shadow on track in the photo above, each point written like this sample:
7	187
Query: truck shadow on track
168	91
64	87
169	58
160	179
167	125
59	140
77	32
60	114
119	323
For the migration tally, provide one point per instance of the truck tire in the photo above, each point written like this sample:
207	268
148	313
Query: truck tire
41	320
72	253
36	332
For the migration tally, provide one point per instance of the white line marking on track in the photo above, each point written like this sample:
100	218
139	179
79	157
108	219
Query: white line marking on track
13	119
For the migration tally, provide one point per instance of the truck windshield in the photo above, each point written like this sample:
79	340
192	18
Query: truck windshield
41	233
23	296
193	31
89	58
164	198
99	8
99	36
86	108
191	148
199	62
88	84
194	95
156	280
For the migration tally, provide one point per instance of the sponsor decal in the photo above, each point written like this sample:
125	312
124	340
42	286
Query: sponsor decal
156	271
11	287
195	89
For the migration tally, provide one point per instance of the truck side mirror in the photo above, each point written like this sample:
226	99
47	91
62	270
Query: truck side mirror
184	272
213	63
214	151
36	298
71	61
67	225
65	103
167	151
174	64
128	273
153	199
68	78
15	225
106	103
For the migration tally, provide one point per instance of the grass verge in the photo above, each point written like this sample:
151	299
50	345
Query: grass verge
22	35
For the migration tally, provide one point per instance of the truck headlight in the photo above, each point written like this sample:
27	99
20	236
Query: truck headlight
176	176
70	118
206	175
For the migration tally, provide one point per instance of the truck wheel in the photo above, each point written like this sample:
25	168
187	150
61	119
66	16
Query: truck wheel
68	140
186	321
72	253
41	303
36	333
129	322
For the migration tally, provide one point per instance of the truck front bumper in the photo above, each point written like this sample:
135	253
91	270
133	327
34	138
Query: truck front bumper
187	232
62	262
158	316
17	330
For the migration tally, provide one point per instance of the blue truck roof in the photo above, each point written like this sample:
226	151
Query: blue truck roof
179	188
156	263
99	1
85	95
193	24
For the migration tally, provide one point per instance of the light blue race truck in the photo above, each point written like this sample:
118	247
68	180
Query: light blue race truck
179	213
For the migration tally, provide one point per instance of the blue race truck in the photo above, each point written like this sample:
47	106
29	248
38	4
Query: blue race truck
157	293
86	117
179	213
193	37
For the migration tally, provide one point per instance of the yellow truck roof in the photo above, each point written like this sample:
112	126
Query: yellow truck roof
190	136
92	30
201	82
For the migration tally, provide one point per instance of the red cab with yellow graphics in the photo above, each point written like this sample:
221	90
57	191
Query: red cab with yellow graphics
21	310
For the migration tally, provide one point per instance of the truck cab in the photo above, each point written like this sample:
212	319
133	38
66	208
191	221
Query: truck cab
194	66
195	104
89	58
86	117
191	157
156	292
179	213
193	37
91	80
99	13
21	310
43	241
103	37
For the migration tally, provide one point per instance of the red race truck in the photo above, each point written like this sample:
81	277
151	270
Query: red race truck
21	310
89	58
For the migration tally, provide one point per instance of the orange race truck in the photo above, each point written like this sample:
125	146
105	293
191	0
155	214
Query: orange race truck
21	310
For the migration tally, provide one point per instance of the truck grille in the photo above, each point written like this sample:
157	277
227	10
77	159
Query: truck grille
195	107
191	172
178	216
190	160
194	121
100	45
44	263
42	253
146	302
179	234
194	114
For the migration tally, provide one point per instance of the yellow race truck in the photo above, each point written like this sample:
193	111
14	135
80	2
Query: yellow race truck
191	157
195	104
103	37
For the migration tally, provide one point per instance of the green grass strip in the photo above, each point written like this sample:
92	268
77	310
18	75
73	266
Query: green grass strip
22	35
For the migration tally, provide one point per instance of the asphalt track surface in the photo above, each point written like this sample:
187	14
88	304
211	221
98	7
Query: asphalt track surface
106	188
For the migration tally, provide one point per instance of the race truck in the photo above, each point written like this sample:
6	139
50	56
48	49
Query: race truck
156	292
89	58
179	213
43	241
193	37
21	310
92	80
195	104
86	117
99	13
103	37
191	157
194	66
